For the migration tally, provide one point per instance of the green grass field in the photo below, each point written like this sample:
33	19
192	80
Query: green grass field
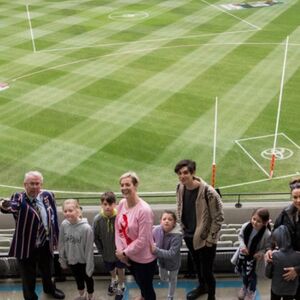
97	88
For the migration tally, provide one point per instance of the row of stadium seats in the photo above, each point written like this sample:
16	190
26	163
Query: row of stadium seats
228	237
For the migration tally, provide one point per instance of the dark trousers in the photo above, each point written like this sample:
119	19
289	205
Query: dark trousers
143	275
277	297
41	258
81	277
250	281
203	259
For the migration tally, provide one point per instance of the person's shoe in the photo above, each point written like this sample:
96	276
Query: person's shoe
120	294
83	297
112	288
58	294
242	293
250	295
197	292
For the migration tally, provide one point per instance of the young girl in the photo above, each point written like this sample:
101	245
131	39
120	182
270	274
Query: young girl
249	257
76	240
168	239
282	258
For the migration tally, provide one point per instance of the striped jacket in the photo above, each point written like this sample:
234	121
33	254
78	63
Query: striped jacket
27	223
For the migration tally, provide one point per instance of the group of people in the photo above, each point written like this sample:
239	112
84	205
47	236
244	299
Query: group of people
274	254
125	235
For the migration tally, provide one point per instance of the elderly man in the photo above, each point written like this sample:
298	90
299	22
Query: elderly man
36	234
200	212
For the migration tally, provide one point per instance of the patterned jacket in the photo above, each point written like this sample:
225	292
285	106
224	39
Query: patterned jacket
209	218
27	222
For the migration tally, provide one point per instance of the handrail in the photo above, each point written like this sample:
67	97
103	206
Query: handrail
165	197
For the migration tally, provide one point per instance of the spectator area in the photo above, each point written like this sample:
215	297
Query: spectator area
228	241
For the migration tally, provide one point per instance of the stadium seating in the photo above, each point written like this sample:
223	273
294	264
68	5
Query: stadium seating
225	248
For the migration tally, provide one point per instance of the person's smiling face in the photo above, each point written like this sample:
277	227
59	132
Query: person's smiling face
185	176
127	187
296	198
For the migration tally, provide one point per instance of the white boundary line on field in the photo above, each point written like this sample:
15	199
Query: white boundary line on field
164	193
252	158
129	52
270	135
258	181
232	15
147	41
95	46
30	28
296	145
258	137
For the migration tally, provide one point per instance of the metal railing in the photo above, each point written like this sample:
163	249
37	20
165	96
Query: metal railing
169	197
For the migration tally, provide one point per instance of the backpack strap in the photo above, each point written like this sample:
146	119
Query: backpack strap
206	195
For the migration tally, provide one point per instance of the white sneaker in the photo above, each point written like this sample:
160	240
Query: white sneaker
242	293
112	288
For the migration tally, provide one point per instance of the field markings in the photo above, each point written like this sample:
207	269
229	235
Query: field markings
168	39
290	140
30	28
188	68
162	193
236	102
232	15
254	27
132	52
258	181
252	158
138	49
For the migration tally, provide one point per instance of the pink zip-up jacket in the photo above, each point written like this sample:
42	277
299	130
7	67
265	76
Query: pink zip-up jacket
133	231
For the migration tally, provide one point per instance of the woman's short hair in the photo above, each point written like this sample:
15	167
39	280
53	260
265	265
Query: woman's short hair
135	179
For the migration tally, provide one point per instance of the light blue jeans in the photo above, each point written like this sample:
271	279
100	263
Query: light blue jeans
171	278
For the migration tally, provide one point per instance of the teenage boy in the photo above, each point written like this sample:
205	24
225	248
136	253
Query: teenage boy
200	212
104	236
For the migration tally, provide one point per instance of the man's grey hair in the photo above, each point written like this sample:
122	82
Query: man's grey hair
33	174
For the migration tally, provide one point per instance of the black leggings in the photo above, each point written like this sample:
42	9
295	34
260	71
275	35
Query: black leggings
79	273
143	275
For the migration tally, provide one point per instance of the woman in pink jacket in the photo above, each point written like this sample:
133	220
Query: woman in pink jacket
133	235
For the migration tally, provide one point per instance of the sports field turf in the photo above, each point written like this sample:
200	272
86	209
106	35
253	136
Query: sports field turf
97	88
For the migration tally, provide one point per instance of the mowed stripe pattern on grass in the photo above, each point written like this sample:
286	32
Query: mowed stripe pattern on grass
101	96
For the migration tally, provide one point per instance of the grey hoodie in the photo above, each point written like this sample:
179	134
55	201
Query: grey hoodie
104	235
168	247
282	258
76	242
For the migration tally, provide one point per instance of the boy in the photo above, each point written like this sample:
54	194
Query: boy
104	236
